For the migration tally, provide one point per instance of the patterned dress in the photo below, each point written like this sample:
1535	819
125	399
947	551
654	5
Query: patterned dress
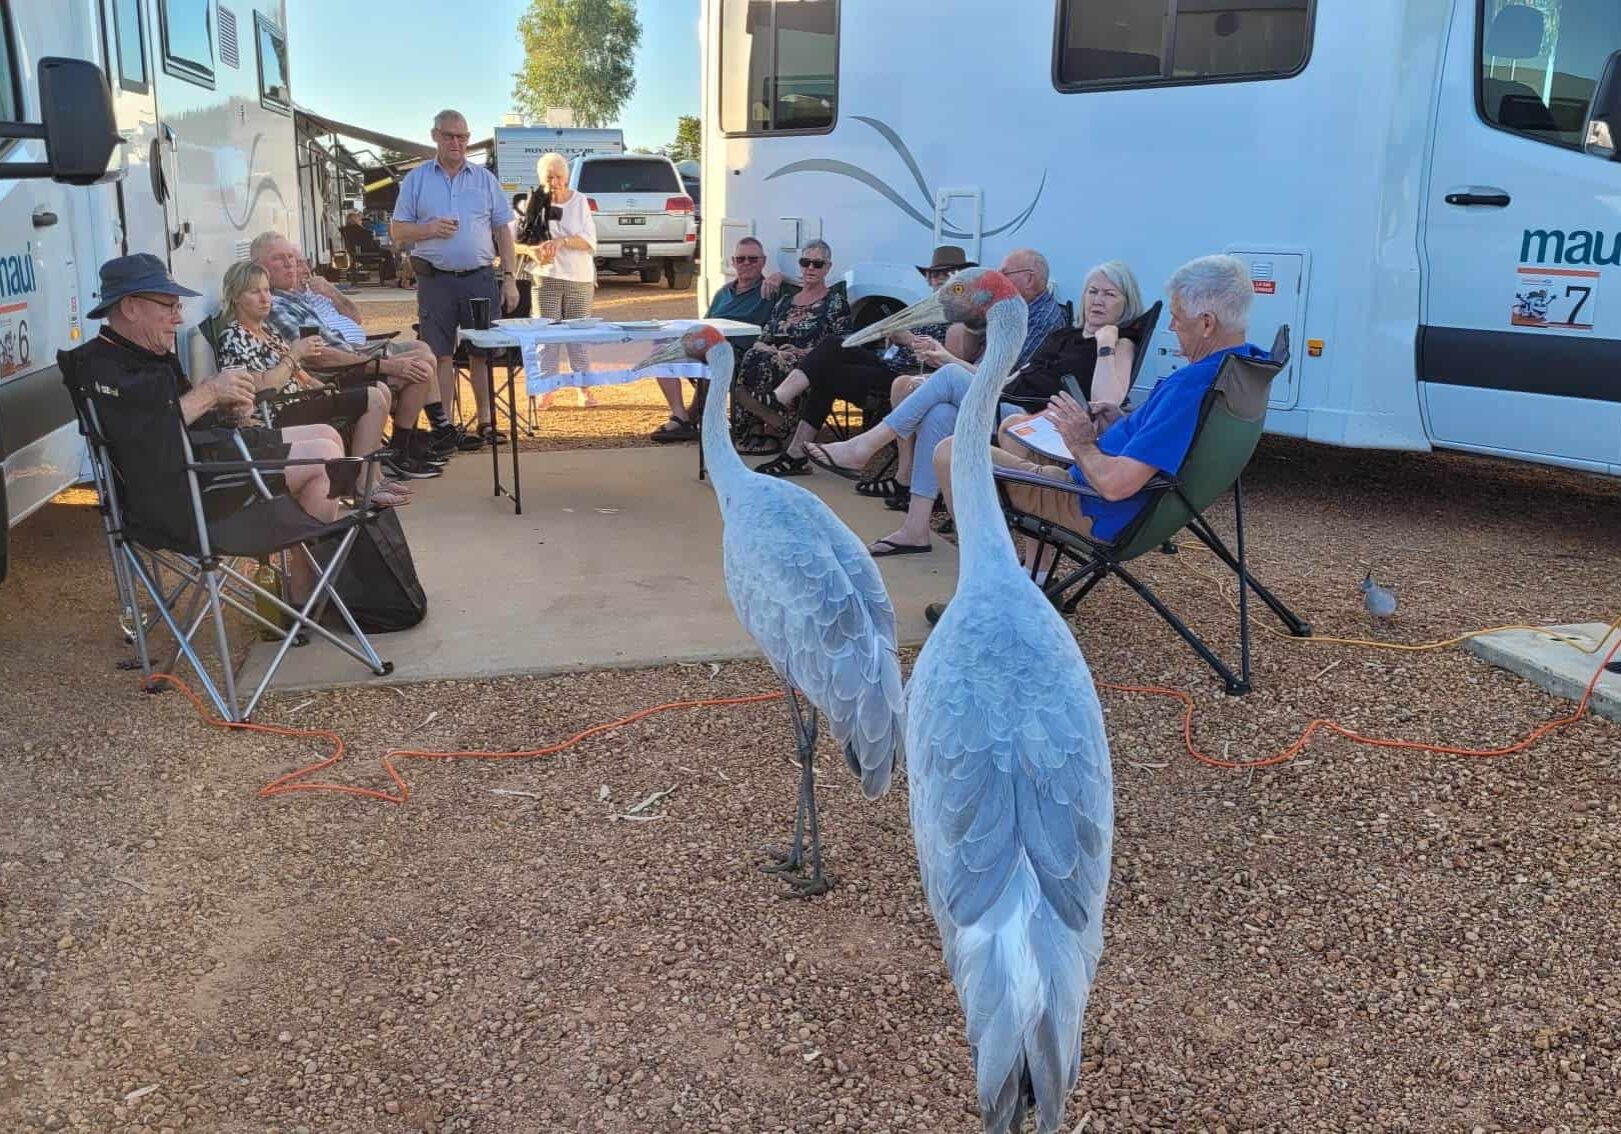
793	329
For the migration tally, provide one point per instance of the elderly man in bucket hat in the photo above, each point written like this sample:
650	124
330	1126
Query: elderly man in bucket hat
132	362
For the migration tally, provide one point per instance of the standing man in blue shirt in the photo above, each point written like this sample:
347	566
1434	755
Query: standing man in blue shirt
455	218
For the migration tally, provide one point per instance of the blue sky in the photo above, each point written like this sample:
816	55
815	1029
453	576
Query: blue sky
343	55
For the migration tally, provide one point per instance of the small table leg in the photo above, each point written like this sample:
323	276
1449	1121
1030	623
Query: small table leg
512	422
495	457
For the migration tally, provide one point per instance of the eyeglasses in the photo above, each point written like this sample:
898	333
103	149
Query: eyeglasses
1020	272
747	259
937	273
807	262
172	307
449	137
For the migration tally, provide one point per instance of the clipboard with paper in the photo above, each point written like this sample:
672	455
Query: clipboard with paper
1041	436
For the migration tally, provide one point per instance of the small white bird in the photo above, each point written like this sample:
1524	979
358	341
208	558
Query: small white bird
1380	601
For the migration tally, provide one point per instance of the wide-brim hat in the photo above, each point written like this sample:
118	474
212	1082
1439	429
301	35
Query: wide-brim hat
948	258
141	273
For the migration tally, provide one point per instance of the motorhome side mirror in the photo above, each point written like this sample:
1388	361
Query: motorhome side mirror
1601	133
79	130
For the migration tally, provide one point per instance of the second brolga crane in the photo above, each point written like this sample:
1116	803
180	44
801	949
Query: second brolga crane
1008	767
809	594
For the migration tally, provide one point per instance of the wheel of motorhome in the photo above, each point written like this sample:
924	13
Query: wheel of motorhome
1424	191
201	123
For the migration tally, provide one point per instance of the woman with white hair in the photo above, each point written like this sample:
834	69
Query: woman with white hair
565	270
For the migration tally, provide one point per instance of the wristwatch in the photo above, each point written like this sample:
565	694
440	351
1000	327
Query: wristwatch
508	275
1105	351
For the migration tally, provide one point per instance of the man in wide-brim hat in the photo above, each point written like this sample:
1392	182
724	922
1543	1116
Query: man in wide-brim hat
947	259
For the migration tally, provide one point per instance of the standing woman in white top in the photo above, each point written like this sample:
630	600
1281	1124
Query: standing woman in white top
566	271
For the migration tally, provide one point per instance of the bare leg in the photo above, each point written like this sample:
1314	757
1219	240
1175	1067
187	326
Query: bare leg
792	386
409	400
803	431
368	436
915	530
447	384
858	450
898	390
671	389
479	377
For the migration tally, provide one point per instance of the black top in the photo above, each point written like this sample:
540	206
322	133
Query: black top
538	213
1067	350
137	398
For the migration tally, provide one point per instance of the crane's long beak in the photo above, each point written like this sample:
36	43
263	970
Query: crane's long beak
929	310
673	351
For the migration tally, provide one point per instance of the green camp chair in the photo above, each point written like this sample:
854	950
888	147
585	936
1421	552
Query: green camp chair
1230	425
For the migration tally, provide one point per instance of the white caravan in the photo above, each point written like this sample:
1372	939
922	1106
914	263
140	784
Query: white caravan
1425	190
204	160
518	148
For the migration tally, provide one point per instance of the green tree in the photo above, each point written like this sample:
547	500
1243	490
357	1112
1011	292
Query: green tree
579	54
688	144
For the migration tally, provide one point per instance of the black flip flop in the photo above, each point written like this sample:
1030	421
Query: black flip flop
888	547
821	461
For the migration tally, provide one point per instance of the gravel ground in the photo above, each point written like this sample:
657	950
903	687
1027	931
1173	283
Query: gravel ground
1359	940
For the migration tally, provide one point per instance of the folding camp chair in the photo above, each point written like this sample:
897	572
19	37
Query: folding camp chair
1230	423
167	553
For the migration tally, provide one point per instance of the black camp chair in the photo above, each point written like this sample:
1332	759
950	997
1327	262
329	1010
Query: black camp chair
169	554
1231	420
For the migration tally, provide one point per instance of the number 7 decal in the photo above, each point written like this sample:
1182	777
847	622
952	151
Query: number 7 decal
1573	289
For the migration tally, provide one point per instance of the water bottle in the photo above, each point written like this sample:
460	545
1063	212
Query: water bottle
268	578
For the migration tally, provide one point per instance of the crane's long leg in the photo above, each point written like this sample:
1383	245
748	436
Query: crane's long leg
818	882
793	858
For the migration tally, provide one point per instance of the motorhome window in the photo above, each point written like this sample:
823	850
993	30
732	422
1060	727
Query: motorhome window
131	36
779	66
1116	43
1539	63
272	66
188	39
631	176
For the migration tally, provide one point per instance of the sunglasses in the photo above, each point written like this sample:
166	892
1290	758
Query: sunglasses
747	259
807	262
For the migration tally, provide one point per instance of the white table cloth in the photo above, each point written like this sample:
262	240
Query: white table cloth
615	350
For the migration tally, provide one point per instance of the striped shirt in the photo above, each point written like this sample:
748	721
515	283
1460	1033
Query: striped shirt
1045	317
332	319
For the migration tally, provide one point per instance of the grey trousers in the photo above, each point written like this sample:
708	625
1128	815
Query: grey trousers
564	299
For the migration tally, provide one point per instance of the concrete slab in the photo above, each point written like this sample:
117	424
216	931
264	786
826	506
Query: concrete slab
1552	665
614	563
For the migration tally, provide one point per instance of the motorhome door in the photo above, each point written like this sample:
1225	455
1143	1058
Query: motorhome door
143	192
1520	347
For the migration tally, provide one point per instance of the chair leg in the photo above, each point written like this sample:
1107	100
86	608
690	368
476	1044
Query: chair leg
1234	684
222	642
1297	626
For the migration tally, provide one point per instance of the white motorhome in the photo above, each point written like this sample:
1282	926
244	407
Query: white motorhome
519	148
1426	190
204	160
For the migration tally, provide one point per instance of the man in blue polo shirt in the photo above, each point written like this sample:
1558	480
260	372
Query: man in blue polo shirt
1117	455
455	218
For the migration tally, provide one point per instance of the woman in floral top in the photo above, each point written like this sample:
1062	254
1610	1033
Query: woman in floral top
796	324
297	397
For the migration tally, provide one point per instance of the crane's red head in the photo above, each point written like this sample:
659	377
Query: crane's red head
966	297
695	344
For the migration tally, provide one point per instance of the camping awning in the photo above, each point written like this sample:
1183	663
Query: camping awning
377	138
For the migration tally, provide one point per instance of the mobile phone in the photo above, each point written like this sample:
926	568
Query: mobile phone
1072	388
307	330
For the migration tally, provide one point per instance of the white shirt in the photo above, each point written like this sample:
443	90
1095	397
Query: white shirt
571	263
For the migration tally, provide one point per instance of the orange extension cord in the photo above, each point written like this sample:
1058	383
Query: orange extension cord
298	781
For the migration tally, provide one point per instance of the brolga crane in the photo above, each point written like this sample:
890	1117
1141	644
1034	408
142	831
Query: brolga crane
809	594
1007	767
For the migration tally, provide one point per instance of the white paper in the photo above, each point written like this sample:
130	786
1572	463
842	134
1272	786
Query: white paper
1040	434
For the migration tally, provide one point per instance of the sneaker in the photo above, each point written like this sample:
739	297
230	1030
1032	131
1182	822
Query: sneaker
469	443
446	439
410	468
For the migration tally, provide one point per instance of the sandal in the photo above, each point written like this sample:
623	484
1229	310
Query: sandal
763	404
818	457
759	445
901	501
885	547
884	486
675	429
785	465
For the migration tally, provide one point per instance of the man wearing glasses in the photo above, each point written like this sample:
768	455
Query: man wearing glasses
1026	269
742	300
455	217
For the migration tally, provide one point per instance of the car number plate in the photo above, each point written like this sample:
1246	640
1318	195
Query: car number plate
632	220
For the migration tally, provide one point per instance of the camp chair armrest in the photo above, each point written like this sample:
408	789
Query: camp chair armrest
382	337
274	465
1035	480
